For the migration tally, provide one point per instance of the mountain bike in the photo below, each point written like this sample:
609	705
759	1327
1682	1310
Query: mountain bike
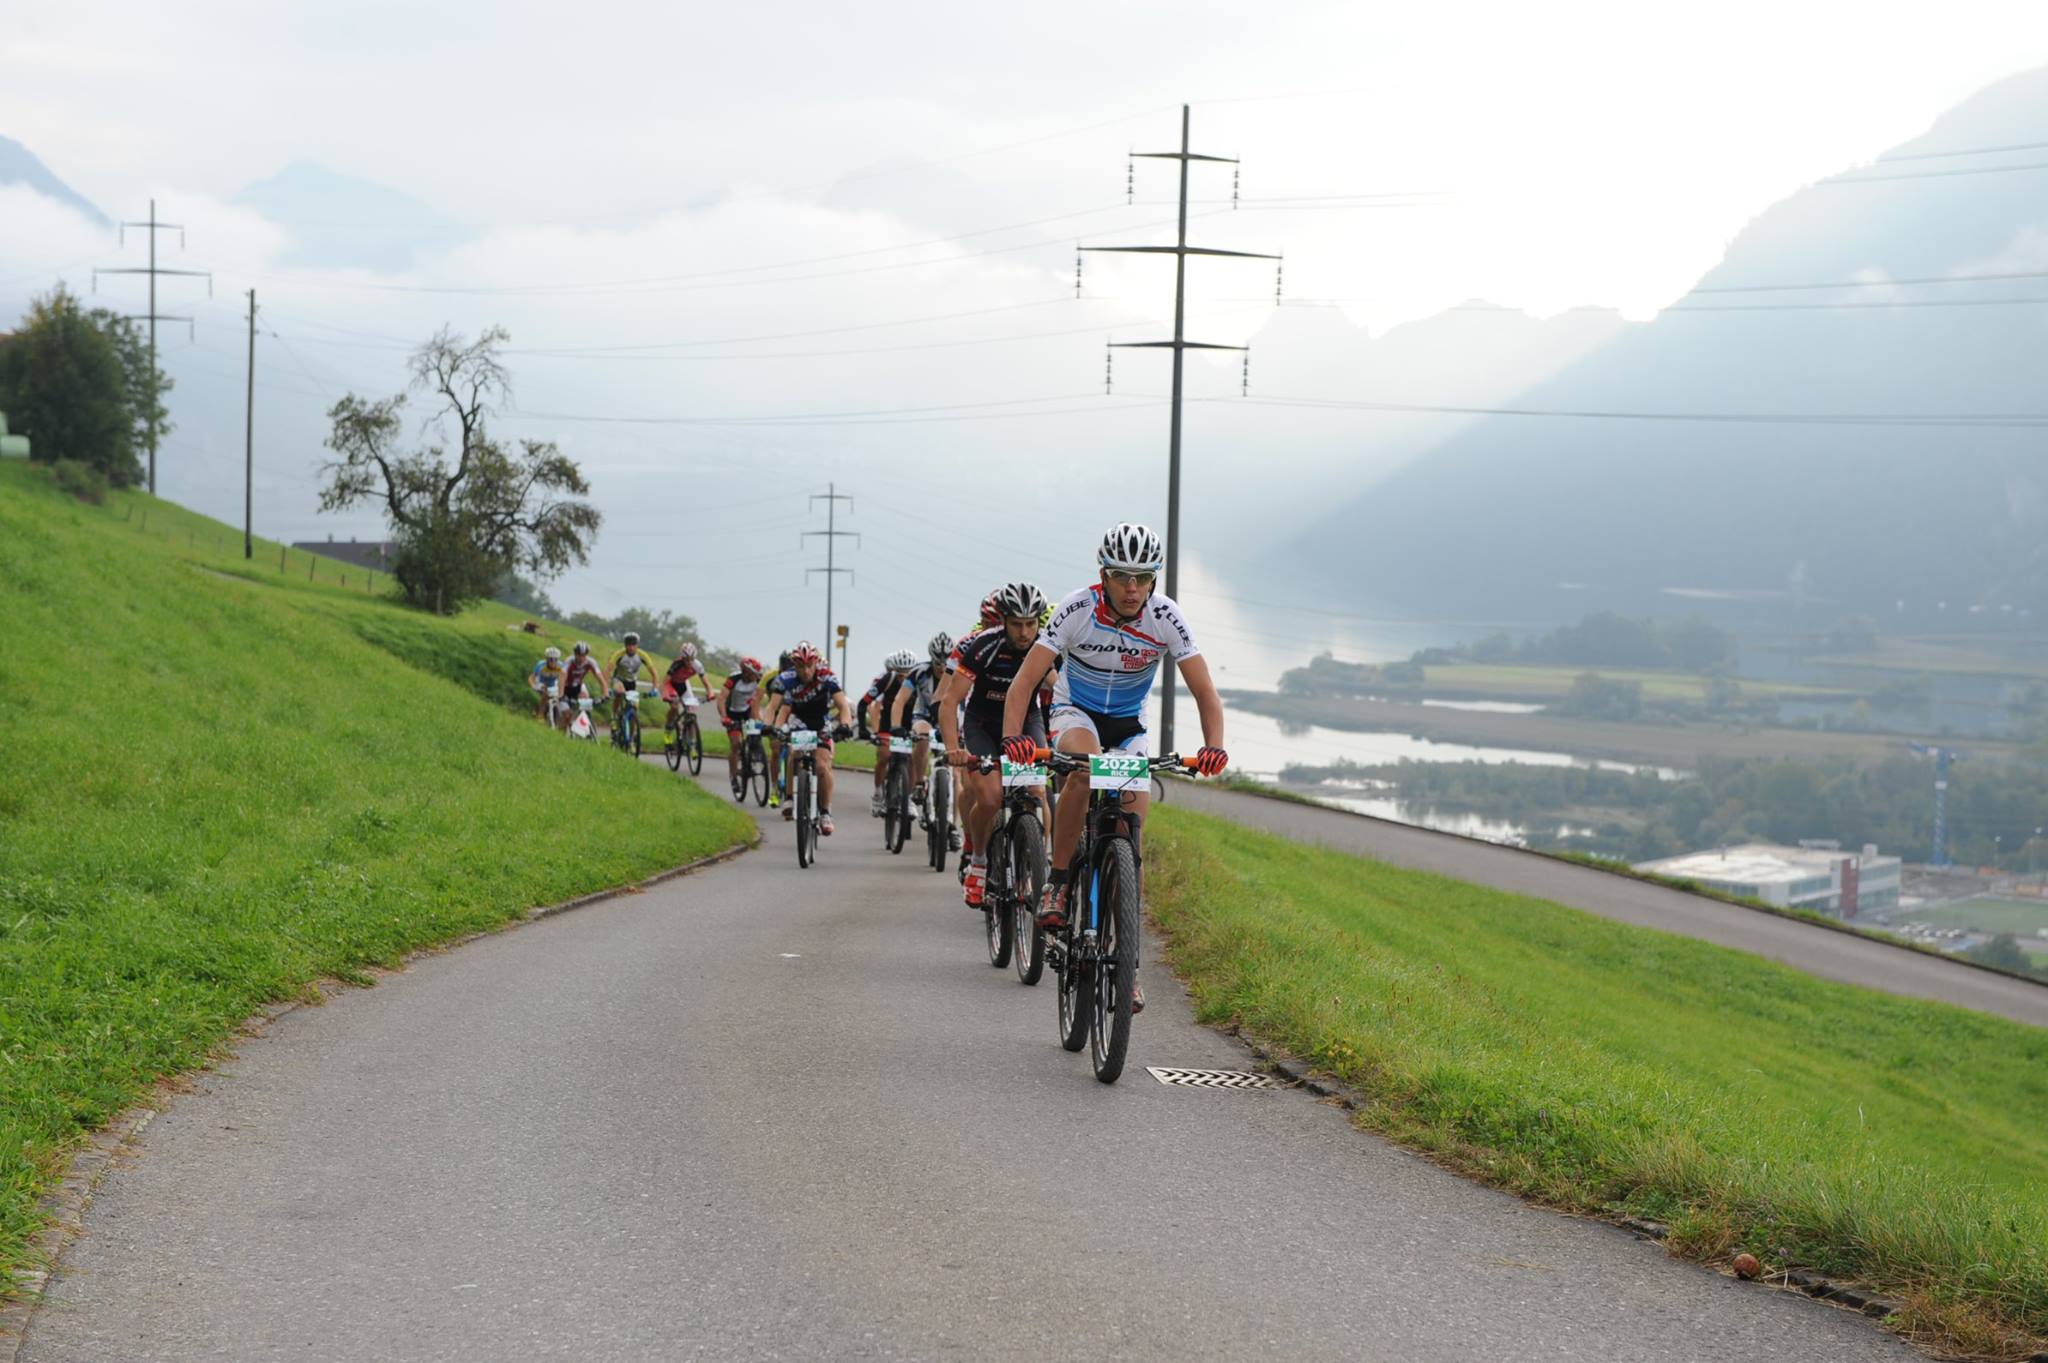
557	707
802	746
1016	871
895	756
1096	955
683	742
753	767
626	720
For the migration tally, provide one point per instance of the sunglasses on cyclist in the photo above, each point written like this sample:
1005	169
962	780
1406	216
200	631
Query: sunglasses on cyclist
1123	579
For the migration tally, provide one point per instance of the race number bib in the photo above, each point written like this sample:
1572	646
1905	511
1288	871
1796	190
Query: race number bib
899	743
804	740
1028	774
751	727
1118	771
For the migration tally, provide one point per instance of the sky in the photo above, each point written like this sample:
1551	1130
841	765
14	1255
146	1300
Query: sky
750	252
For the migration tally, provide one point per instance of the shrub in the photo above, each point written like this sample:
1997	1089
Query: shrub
81	480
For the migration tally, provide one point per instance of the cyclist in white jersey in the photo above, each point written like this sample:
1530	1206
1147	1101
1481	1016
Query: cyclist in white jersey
1109	639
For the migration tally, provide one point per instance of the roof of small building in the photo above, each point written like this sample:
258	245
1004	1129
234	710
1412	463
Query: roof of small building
1752	863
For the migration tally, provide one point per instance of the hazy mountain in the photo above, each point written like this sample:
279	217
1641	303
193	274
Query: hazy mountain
1473	354
339	222
1499	514
19	166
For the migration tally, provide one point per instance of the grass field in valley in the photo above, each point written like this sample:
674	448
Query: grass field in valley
1615	1069
219	783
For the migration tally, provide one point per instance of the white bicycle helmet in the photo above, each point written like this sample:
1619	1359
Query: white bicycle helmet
553	655
902	660
687	651
940	646
1019	600
1130	548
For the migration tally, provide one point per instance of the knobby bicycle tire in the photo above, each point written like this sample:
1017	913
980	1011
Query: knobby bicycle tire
939	836
801	792
1117	974
1026	883
695	750
896	806
997	924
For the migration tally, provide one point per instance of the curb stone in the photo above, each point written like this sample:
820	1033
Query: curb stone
66	1204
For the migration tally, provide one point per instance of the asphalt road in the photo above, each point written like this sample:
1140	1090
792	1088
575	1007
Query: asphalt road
1817	950
765	1113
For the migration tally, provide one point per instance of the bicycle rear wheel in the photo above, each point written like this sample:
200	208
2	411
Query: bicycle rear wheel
801	792
695	749
938	836
1116	974
1027	879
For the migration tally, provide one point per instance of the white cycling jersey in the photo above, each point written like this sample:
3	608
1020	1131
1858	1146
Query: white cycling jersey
1109	664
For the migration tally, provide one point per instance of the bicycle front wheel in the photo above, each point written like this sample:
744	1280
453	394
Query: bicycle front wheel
1027	879
1116	974
695	749
896	807
1000	927
757	756
801	792
672	750
743	773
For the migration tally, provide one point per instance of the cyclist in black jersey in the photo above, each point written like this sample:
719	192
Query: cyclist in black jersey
980	671
875	708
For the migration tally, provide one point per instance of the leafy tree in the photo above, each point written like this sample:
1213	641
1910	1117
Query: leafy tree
1596	697
524	594
146	384
2003	952
463	508
62	383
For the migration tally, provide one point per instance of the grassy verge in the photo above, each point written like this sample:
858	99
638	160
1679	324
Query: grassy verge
217	790
1616	1070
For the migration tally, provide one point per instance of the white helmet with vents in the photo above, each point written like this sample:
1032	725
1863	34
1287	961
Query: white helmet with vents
1131	548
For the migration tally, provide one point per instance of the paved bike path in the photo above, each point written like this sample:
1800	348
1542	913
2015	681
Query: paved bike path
1818	950
765	1113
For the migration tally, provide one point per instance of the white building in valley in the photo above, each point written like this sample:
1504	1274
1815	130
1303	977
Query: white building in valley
1817	876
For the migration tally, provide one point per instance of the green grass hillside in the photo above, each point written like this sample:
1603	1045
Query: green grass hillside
1610	1068
220	782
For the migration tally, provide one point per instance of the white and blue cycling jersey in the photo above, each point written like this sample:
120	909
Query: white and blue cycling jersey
1109	664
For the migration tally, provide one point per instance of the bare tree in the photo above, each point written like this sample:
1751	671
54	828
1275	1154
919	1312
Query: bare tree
464	508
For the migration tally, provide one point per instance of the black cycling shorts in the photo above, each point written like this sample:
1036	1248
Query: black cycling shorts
982	734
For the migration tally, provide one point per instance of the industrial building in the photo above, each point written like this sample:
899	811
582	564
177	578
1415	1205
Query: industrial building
1816	876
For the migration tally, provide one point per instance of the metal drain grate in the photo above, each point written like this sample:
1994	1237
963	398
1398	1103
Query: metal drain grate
1214	1079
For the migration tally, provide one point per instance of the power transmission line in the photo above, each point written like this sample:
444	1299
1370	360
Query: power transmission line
1961	151
1946	420
1179	345
2001	276
1853	179
802	418
152	270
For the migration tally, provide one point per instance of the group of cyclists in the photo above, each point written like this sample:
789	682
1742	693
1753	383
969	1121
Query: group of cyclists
1029	675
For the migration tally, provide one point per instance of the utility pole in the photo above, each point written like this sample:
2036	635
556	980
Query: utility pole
152	315
831	534
249	444
1180	345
